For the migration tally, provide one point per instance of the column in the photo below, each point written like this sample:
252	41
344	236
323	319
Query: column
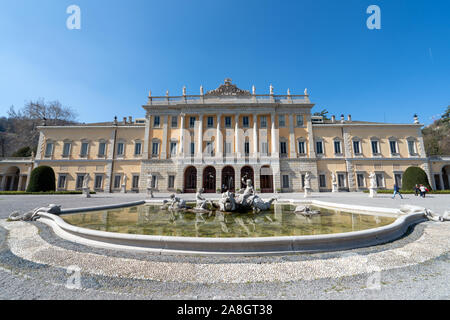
19	185
219	138
146	137
40	146
110	160
237	148
181	149
348	163
164	139
292	153
311	148
199	139
255	136
274	137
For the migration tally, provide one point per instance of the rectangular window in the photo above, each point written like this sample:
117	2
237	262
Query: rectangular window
285	181
281	121
319	147
245	122
49	149
174	123
398	179
120	149
192	148
375	147
337	147
135	182
173	148
247	148
227	147
299	121
192	122
227	122
62	181
137	148
264	148
210	148
360	179
322	181
66	149
379	178
412	147
156	122
393	146
210	122
301	147
341	180
356	148
84	149
263	121
154	181
102	149
283	148
171	184
98	183
117	180
155	148
79	182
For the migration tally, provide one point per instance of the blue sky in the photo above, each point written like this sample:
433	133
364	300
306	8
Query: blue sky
126	48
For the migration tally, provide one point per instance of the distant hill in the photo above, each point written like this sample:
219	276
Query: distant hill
18	132
437	136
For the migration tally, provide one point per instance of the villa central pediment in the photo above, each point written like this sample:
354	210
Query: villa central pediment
228	89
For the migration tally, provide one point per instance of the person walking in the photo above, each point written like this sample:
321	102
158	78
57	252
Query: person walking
397	191
423	191
416	190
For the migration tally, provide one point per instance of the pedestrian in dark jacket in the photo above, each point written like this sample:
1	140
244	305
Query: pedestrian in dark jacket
397	191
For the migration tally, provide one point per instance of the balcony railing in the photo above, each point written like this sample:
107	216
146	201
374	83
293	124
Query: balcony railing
203	99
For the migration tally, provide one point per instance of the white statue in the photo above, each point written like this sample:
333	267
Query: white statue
202	203
307	185
306	91
201	90
373	180
184	90
373	185
271	90
124	184
334	183
86	190
177	203
149	185
246	193
33	215
289	92
253	90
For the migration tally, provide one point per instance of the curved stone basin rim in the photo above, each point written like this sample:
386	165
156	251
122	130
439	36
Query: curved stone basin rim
230	246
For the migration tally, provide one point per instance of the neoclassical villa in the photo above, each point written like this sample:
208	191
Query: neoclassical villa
215	139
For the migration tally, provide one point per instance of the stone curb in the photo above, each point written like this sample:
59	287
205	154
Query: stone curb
236	246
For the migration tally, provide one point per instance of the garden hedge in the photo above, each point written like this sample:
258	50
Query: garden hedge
413	176
42	179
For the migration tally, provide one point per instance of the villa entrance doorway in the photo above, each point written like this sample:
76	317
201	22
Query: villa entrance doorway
209	180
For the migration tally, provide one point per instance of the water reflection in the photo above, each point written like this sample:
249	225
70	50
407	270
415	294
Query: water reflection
281	221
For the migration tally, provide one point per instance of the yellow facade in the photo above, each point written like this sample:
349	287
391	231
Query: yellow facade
284	144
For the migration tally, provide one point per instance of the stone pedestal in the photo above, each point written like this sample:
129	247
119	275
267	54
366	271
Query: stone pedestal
372	192
307	192
87	192
335	188
123	189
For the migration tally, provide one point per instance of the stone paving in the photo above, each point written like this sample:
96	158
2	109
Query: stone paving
34	262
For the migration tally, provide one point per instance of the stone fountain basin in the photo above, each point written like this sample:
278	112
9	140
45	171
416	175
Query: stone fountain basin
238	246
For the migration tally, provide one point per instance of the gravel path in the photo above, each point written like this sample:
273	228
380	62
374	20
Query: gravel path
26	279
